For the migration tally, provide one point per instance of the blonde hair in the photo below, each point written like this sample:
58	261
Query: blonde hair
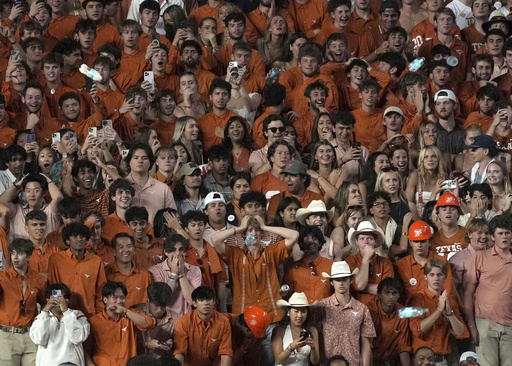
179	130
441	169
267	38
421	131
380	178
506	178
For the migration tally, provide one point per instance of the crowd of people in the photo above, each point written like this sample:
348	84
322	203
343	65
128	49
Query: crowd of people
265	182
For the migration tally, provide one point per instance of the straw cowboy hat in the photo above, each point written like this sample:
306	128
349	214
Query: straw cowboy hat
366	227
316	206
297	300
340	270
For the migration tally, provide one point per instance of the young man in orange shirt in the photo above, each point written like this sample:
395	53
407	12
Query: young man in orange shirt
433	329
124	269
191	57
266	9
148	250
131	113
112	98
242	54
71	52
21	288
82	271
451	237
482	66
113	331
212	124
121	192
62	23
393	340
195	329
309	16
316	94
165	124
487	96
368	117
274	96
105	32
363	19
36	227
159	60
70	210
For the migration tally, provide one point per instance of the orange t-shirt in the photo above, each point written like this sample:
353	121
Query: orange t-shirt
4	247
74	80
43	130
436	337
205	11
39	260
126	127
425	30
473	38
257	128
136	282
63	26
55	239
504	82
467	97
268	184
372	39
366	125
200	344
223	57
213	268
209	122
260	19
205	78
329	28
107	33
167	81
85	278
115	340
304	128
446	247
361	26
153	254
393	333
113	100
306	276
308	16
133	64
381	268
165	130
475	118
7	135
11	285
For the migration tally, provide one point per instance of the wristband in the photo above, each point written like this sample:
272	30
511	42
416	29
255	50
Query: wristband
404	233
172	280
234	231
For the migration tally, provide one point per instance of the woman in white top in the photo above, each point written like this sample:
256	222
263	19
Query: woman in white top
293	341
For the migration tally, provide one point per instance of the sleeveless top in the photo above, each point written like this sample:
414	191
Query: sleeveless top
296	358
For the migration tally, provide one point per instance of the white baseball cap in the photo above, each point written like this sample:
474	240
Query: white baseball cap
445	93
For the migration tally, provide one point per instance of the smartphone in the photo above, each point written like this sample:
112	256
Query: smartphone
124	153
233	66
56	293
73	138
304	334
93	131
130	96
275	73
18	2
88	84
449	184
149	76
15	55
356	145
55	137
30	138
108	129
155	38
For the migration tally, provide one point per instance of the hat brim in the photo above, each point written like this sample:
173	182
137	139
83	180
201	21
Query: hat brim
352	236
487	25
340	275
302	213
283	304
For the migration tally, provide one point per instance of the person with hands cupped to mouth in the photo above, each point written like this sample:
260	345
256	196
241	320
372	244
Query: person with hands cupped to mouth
293	341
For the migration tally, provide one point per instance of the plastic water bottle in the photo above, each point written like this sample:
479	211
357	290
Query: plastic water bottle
89	72
411	312
417	64
498	5
284	290
452	61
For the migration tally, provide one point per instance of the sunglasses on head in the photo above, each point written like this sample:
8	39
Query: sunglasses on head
275	129
390	169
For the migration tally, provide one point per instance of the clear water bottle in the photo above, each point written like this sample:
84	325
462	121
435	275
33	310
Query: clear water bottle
89	72
498	5
417	64
411	312
284	290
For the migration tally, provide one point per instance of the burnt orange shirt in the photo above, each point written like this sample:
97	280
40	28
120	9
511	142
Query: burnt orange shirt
476	118
39	260
255	280
133	64
11	293
167	81
366	125
136	282
114	225
51	107
205	11
123	80
304	128
467	96
412	121
361	26
85	278
329	28
425	30
504	81
268	184
126	127
445	247
306	276
7	135
63	26
393	333
473	38
372	39
74	79
165	130
81	127
412	275
305	200
380	268
113	100
4	247
43	130
209	122
308	16
153	254
107	33
438	336
202	344
104	252
115	340
223	57
213	268
55	239
257	127
260	19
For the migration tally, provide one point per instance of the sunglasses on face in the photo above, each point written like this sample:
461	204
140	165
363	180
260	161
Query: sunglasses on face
275	129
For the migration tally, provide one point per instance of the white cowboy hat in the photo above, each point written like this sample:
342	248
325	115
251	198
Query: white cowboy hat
316	206
297	300
366	227
340	270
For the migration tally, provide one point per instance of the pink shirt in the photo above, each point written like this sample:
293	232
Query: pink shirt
18	220
348	323
155	195
492	275
161	273
460	264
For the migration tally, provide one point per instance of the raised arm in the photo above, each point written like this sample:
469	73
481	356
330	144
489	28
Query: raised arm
290	236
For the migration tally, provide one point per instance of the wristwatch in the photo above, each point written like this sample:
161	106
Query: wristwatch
449	313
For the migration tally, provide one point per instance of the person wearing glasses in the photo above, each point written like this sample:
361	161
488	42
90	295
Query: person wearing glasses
273	129
181	277
201	254
304	274
17	307
370	267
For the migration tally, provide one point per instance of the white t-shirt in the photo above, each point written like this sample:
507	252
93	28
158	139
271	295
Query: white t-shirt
463	15
133	12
